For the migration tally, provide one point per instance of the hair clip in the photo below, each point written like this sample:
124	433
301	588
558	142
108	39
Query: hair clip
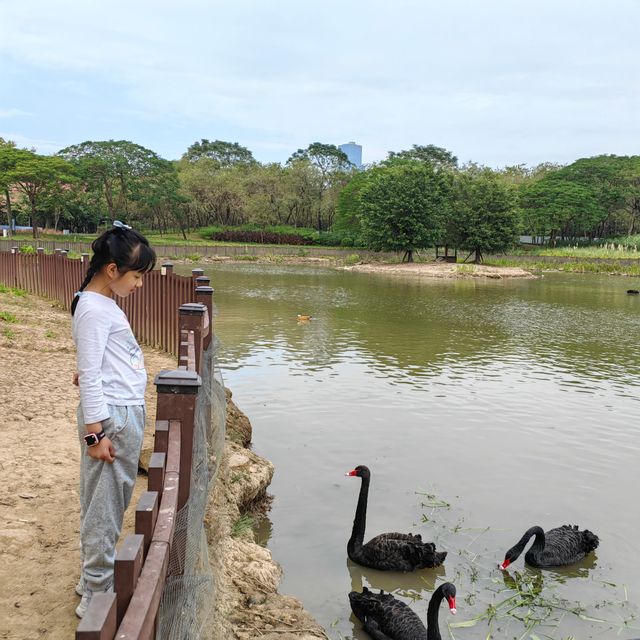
120	225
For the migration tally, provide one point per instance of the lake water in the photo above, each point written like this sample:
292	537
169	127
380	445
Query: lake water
516	403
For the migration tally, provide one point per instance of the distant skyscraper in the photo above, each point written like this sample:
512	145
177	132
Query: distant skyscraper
354	153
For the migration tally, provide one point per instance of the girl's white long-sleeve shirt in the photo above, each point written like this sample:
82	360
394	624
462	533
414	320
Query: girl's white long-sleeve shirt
109	360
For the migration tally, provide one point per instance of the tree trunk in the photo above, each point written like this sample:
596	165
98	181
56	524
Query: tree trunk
635	208
408	255
108	197
478	258
34	218
9	217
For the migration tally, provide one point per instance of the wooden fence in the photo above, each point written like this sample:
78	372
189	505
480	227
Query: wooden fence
142	560
182	250
152	310
178	320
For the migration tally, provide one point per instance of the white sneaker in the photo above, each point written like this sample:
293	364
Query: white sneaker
80	586
81	609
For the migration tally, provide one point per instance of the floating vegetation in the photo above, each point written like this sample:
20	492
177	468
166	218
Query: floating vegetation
432	501
531	601
530	604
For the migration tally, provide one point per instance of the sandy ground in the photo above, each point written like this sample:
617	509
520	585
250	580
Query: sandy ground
444	270
39	521
39	512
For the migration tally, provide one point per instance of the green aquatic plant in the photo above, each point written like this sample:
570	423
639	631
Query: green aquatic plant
242	526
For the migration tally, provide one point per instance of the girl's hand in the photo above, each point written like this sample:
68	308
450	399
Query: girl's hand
75	379
102	451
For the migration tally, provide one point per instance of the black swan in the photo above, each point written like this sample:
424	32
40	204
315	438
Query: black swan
388	551
555	548
633	292
385	618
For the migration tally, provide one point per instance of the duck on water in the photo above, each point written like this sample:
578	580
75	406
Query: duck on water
388	551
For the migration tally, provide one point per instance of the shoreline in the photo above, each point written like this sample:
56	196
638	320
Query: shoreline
40	544
503	265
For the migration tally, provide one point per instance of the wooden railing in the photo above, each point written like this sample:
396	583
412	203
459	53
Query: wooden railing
185	250
142	560
152	310
174	313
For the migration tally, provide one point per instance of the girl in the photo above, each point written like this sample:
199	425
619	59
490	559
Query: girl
111	415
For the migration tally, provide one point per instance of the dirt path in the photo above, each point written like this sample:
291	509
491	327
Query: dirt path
39	512
39	461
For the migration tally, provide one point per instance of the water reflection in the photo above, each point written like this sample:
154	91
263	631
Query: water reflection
412	330
515	401
416	582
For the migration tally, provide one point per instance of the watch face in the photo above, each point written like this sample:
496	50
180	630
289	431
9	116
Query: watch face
91	438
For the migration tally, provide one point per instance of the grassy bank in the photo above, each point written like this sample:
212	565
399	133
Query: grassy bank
571	266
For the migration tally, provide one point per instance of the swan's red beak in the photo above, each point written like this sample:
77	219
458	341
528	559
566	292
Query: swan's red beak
351	473
505	564
452	605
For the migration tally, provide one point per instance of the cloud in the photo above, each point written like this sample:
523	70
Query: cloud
12	113
491	81
23	142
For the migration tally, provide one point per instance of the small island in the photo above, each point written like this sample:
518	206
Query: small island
442	270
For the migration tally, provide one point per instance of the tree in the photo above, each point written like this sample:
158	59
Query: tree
9	157
349	204
631	176
603	177
484	216
225	154
404	207
437	156
215	195
331	165
554	206
39	176
114	168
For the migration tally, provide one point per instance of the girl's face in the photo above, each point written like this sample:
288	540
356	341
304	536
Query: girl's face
124	284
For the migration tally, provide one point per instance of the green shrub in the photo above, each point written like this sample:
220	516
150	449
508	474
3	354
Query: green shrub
27	248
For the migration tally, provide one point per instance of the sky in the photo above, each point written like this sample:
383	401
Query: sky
495	82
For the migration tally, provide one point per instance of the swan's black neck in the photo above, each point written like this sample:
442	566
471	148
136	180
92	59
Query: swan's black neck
433	627
538	543
360	520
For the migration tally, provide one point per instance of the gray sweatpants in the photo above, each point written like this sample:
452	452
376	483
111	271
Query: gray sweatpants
105	492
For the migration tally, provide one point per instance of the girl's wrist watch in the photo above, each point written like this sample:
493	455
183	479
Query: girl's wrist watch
92	439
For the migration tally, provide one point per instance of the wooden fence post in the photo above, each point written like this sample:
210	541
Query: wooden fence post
177	394
195	274
204	295
155	481
126	571
146	517
100	620
15	252
192	319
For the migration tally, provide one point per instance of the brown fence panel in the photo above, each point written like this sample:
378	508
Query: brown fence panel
152	310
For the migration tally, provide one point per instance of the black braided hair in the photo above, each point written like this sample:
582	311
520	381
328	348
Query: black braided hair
128	249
